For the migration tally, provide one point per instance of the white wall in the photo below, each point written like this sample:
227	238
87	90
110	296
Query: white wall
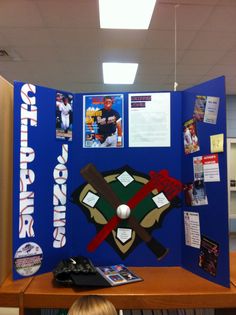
231	116
231	133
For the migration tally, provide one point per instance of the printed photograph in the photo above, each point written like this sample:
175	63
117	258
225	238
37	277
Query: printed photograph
191	143
64	115
195	193
103	121
208	257
199	108
199	193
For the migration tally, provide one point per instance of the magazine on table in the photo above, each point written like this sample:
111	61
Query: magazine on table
118	274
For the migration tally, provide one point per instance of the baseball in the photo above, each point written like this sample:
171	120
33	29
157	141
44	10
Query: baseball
123	211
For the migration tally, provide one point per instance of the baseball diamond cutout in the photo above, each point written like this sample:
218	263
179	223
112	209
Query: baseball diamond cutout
105	192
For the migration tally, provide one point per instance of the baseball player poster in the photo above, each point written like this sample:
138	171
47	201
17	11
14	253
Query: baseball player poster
103	121
64	115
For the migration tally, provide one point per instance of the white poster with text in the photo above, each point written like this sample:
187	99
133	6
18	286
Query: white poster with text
149	120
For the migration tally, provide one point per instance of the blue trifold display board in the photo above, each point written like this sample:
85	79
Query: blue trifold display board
57	212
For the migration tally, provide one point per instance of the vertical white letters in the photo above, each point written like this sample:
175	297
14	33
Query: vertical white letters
60	175
27	155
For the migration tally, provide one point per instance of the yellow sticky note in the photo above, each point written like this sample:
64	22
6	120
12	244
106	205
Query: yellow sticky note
217	143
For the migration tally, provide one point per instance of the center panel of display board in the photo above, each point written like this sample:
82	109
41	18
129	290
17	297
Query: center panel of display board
130	161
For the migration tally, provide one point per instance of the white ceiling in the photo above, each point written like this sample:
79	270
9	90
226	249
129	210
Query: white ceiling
58	43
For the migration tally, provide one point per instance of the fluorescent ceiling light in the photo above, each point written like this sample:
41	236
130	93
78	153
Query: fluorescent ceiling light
119	73
126	14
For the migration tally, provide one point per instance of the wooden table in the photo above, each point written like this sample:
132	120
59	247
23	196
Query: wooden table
233	268
162	288
11	292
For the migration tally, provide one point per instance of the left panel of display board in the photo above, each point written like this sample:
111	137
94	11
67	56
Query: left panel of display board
6	122
40	239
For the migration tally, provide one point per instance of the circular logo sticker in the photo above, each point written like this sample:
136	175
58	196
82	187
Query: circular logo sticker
28	259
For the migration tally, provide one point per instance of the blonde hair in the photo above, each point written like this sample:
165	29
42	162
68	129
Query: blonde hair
92	305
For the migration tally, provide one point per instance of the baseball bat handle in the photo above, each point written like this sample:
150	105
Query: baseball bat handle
156	247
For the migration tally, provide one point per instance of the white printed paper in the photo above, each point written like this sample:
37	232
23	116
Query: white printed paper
160	200
211	110
149	120
125	178
124	234
211	168
192	229
90	199
198	168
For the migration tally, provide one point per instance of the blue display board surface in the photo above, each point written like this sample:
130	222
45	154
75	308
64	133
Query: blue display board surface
211	258
69	179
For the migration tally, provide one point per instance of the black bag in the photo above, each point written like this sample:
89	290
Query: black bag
78	271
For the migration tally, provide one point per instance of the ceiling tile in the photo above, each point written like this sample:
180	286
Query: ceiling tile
227	3
201	57
150	78
221	19
80	67
28	37
191	2
36	53
163	17
73	13
166	39
155	69
189	16
122	38
119	54
76	54
19	13
3	39
74	37
156	56
14	67
229	59
192	17
213	40
194	70
219	70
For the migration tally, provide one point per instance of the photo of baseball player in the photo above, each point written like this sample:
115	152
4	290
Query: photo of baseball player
64	116
103	121
191	143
